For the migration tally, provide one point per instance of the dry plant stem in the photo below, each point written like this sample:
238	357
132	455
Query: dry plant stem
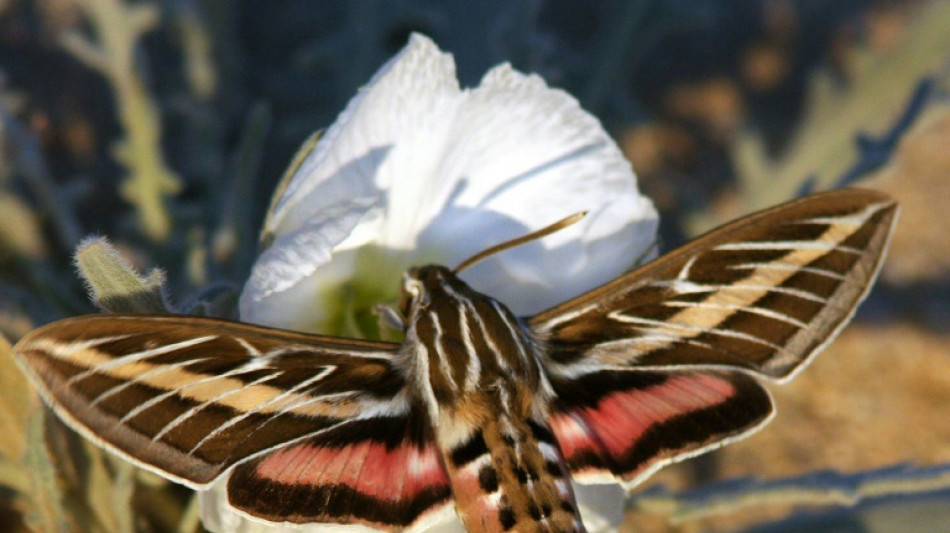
98	505
17	404
21	232
197	51
118	27
825	146
191	517
122	492
45	511
234	239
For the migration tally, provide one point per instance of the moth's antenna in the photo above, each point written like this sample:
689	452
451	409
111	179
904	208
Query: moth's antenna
518	241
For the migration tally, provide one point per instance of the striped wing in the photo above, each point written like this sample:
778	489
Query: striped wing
308	418
669	351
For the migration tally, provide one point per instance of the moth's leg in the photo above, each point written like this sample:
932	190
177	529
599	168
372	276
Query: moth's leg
389	318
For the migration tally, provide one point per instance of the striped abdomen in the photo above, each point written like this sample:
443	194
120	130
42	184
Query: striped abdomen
509	476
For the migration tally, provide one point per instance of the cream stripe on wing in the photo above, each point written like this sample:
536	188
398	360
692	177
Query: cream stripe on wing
236	385
267	407
731	291
724	298
190	412
778	265
123	385
818	245
696	320
99	362
761	311
660	325
176	380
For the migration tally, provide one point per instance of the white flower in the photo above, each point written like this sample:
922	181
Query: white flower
417	170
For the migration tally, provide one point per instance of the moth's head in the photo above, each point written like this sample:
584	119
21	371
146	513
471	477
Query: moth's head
420	284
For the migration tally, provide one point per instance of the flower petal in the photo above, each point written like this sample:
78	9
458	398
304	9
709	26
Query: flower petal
357	162
525	156
296	255
406	107
451	173
349	172
601	506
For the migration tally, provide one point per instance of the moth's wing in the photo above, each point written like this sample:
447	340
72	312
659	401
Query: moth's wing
676	342
621	426
191	397
762	294
384	473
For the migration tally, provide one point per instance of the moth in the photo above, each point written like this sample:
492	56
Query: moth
477	408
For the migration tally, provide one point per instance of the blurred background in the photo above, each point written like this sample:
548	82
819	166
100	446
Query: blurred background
165	125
